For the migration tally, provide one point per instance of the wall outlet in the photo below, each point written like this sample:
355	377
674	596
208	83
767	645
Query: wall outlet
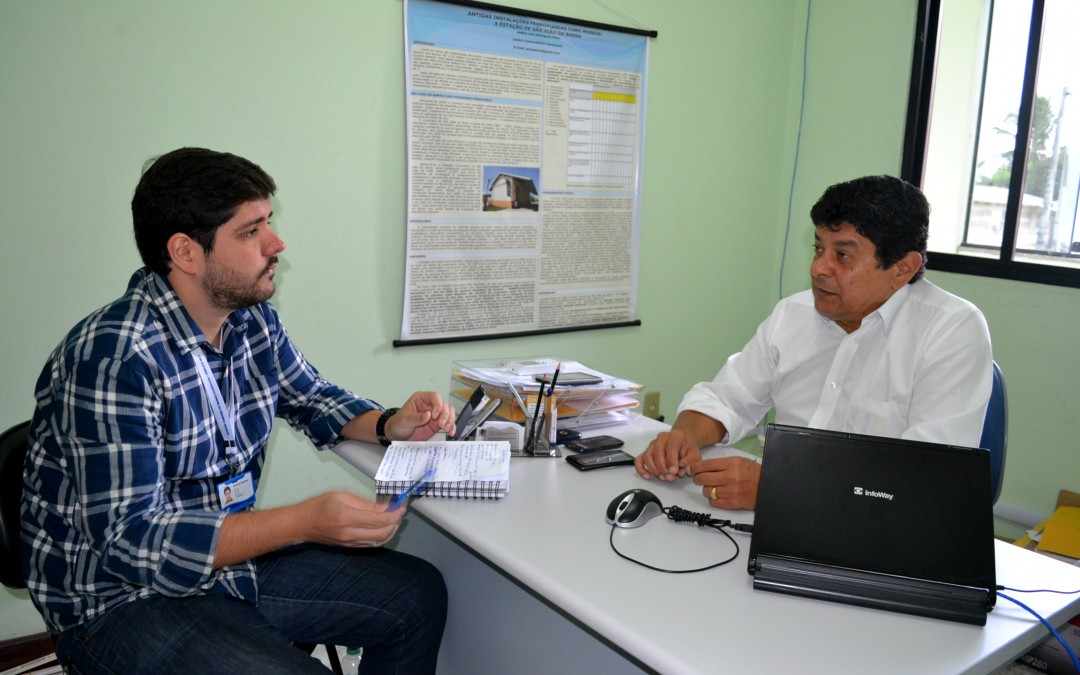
652	404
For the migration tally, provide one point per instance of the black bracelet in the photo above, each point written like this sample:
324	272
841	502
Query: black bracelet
380	426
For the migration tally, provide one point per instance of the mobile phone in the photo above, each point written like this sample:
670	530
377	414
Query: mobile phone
594	444
572	379
564	435
600	459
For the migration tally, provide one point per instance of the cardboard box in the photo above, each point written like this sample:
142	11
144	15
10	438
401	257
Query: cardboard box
1061	534
1064	529
1064	541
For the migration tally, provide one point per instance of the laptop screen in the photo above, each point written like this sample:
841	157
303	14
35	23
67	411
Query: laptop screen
882	505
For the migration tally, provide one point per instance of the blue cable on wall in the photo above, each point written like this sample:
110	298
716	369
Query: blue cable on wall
798	144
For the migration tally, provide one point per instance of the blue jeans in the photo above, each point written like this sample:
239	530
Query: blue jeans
391	604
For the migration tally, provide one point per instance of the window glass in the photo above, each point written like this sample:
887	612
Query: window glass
979	80
1048	216
971	137
997	124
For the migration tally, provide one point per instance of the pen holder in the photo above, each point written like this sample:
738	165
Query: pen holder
538	434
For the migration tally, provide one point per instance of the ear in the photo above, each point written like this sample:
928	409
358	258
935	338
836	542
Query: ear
907	267
185	253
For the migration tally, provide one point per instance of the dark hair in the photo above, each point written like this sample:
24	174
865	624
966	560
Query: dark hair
193	191
891	213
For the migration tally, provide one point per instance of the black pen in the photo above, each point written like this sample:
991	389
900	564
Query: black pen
536	413
551	390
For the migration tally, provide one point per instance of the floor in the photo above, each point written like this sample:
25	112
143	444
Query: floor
320	653
48	666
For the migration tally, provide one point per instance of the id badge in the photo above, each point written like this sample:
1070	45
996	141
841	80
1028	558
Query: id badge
237	493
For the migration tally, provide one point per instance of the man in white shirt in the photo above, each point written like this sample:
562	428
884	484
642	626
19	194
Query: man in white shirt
871	348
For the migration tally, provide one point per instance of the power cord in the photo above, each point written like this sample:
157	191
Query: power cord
1053	631
680	515
1037	590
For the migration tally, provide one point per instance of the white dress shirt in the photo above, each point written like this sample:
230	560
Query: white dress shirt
918	367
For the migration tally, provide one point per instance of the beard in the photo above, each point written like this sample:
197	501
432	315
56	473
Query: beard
230	290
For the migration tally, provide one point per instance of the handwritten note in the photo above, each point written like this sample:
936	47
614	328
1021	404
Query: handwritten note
453	461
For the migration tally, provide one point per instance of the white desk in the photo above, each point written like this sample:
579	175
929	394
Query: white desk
535	588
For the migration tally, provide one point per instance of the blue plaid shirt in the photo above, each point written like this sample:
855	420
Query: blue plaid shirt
120	499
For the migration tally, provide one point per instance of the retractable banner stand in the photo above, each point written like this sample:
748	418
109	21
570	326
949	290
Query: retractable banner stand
525	141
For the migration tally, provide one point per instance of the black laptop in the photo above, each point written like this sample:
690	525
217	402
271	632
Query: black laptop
900	525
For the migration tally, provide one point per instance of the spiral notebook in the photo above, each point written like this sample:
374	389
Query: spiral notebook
478	469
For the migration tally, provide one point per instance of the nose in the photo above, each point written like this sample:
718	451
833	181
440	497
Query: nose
819	267
274	244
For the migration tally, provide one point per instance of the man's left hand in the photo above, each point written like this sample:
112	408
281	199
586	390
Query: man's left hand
421	417
728	482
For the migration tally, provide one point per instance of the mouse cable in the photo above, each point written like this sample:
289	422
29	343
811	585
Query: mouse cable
1053	631
681	515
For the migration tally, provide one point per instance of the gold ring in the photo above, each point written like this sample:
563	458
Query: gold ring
713	492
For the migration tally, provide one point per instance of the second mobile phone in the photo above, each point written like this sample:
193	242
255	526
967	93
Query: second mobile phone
594	444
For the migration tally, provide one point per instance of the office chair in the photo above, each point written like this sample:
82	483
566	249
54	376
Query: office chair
13	446
995	434
12	454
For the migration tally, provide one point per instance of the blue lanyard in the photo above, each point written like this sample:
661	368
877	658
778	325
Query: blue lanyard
224	412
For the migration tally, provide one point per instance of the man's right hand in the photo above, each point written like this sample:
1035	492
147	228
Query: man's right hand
672	451
666	456
334	518
344	519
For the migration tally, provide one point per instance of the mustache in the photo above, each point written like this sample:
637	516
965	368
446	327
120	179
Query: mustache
273	261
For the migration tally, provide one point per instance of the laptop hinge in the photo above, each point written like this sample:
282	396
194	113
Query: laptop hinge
964	604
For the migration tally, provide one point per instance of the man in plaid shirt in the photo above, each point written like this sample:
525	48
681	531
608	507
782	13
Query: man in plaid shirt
140	543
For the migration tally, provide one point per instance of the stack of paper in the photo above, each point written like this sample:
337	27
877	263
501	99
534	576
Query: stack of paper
462	468
601	400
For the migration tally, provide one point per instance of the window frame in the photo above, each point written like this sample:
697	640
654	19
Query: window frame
916	136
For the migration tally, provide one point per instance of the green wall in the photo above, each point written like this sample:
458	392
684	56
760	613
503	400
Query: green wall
314	93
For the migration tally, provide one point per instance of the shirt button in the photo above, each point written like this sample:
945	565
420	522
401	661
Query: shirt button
833	385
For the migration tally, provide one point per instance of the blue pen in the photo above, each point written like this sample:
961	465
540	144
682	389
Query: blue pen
416	488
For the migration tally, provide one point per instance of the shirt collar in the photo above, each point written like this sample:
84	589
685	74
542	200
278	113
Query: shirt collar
891	307
178	323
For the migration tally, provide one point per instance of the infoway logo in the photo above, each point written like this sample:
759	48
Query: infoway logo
873	493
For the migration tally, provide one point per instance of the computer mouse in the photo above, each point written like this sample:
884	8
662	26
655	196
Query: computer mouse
633	508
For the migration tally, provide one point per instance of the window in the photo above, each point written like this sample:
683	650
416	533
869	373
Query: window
993	136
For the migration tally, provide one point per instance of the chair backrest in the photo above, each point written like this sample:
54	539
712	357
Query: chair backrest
995	434
12	454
